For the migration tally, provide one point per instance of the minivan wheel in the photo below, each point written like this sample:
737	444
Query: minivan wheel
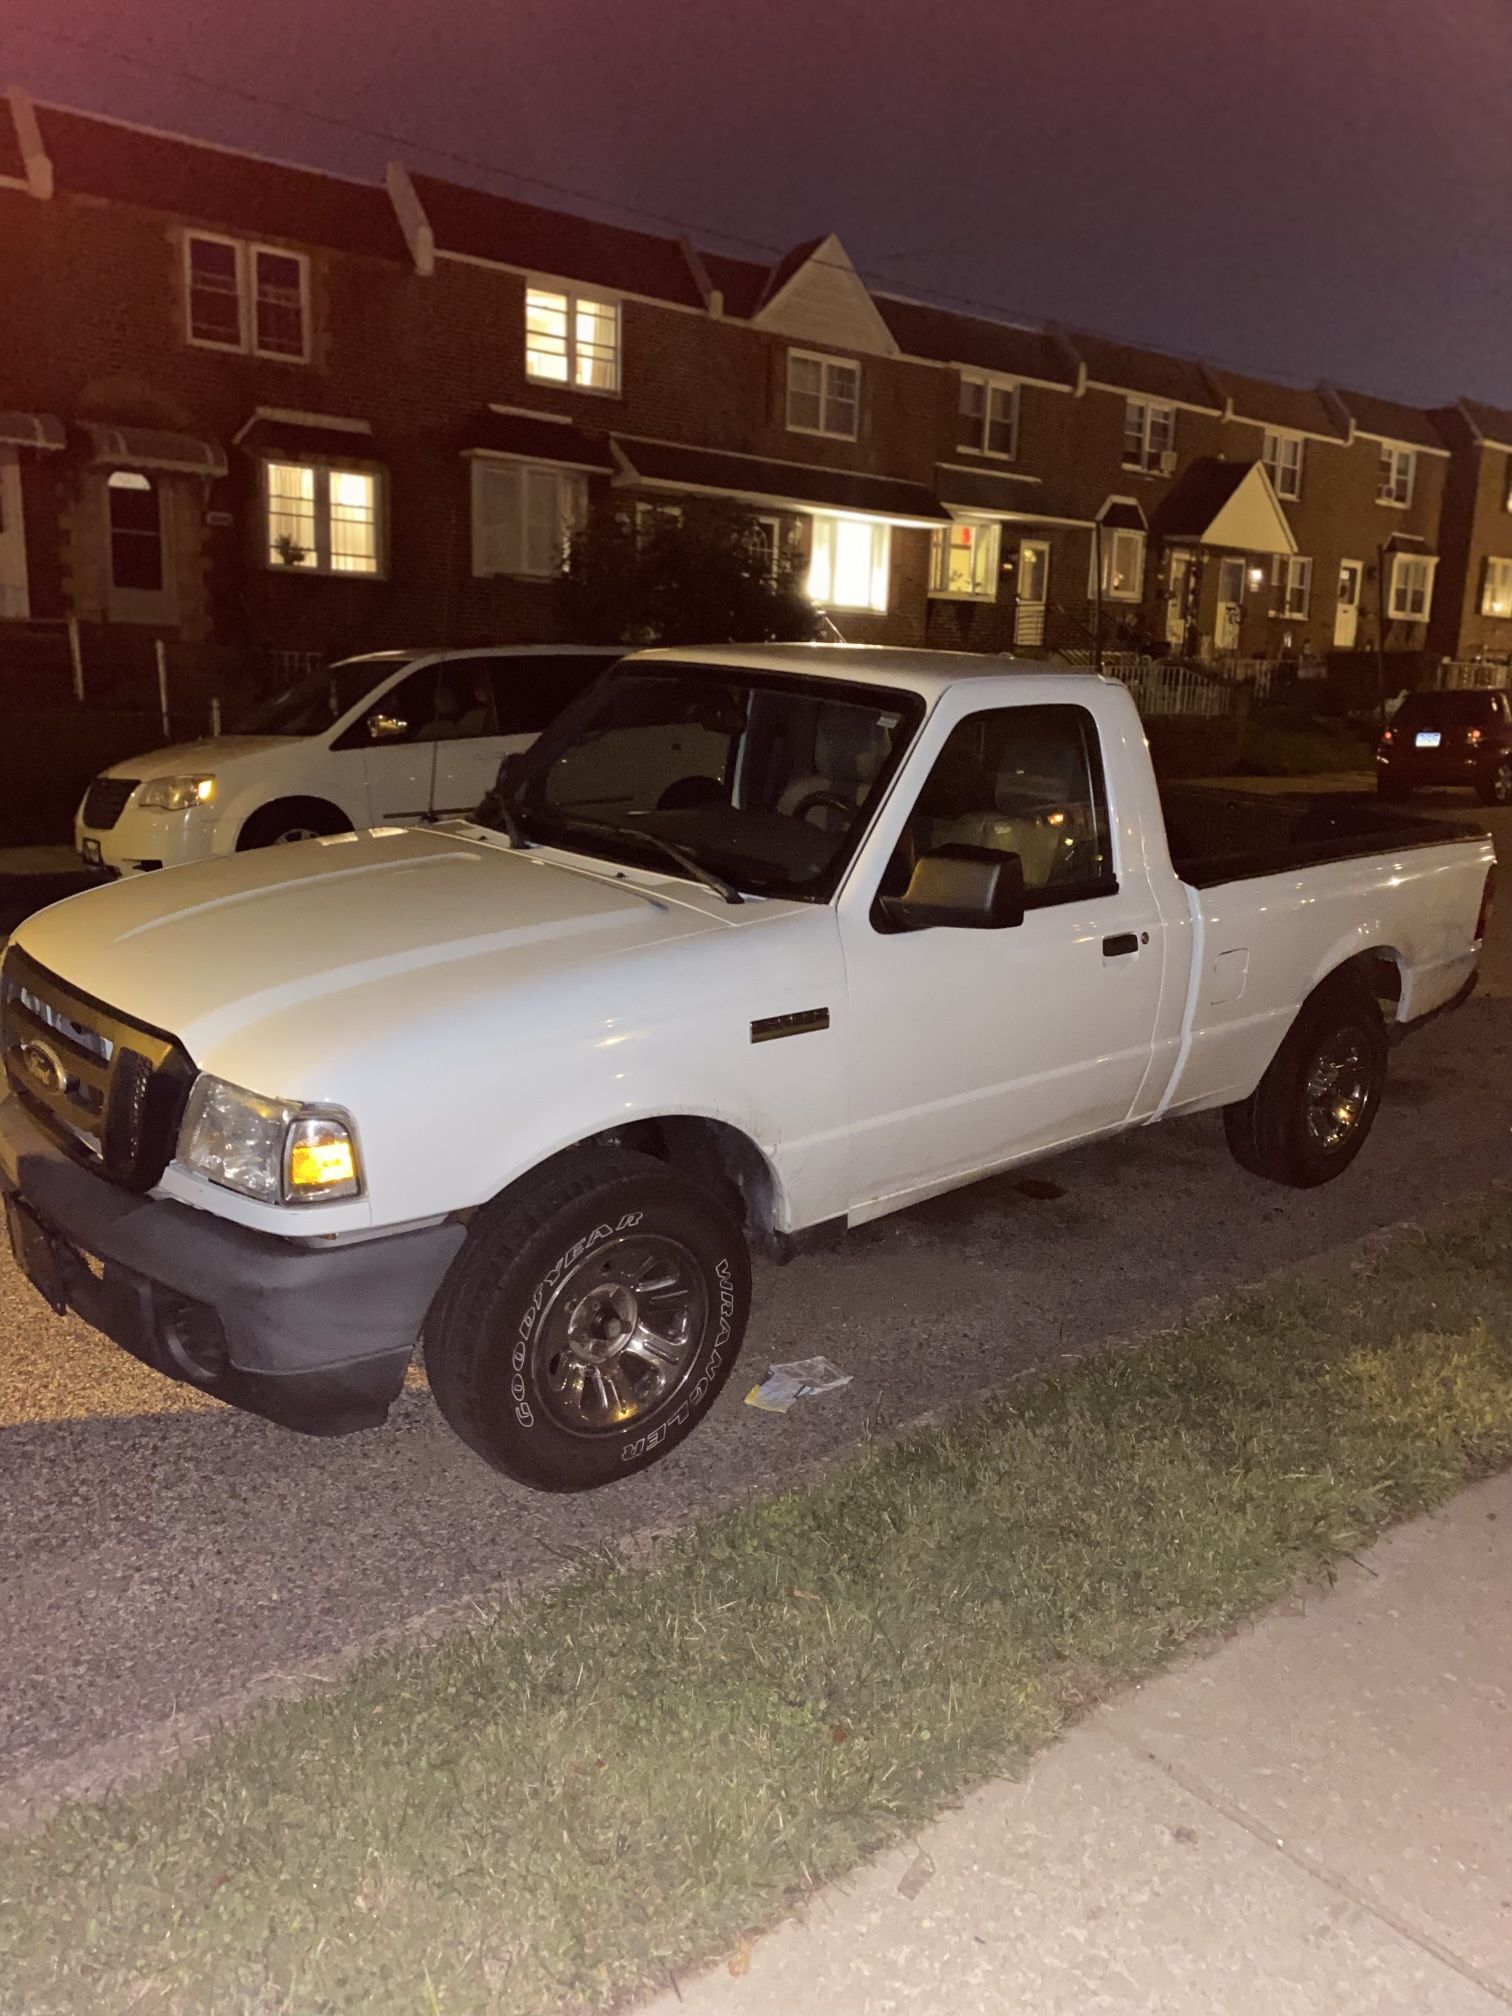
289	819
1307	1119
590	1321
1496	786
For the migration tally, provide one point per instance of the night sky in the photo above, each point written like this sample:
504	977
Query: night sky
1308	188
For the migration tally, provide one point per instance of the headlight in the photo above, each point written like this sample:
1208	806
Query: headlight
272	1149
176	794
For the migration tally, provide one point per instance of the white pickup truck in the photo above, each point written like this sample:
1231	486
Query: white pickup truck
751	942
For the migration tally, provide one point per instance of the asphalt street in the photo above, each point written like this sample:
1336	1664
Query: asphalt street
163	1553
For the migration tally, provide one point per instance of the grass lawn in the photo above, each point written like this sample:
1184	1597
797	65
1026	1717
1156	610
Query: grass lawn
619	1776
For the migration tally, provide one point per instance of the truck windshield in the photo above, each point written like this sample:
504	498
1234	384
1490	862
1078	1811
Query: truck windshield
320	701
764	780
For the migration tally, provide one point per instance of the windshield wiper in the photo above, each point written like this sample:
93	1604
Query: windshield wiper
685	861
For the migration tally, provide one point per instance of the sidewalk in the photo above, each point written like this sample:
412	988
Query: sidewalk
1311	1821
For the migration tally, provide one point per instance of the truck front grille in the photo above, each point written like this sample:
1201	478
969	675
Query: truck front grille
105	801
112	1091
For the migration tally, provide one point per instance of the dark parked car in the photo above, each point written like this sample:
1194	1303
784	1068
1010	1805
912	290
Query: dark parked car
1448	738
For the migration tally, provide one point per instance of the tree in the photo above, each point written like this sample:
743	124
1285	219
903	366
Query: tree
701	573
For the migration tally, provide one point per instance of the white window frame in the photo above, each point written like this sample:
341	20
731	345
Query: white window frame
991	385
1291	586
779	535
1147	459
572	296
1107	538
323	468
1395	463
1401	566
246	253
1496	588
986	560
828	365
1286	478
829	525
571	507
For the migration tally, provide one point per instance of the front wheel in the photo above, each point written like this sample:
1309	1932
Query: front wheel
1495	787
1307	1119
590	1321
289	819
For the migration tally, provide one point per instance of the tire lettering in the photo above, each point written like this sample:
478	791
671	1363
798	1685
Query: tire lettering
632	1451
548	1281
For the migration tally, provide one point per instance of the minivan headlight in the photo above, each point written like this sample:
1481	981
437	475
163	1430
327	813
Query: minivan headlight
176	794
275	1150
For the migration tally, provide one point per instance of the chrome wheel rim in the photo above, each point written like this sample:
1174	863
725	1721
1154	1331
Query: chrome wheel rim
1338	1087
620	1333
293	833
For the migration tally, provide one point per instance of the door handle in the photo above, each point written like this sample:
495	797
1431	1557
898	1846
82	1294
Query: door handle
1121	946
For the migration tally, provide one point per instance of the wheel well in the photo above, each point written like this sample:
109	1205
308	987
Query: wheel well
322	808
1380	969
710	1150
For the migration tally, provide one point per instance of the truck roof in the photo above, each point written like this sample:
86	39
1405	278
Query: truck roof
926	672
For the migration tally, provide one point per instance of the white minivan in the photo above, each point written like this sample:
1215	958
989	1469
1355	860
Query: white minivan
390	738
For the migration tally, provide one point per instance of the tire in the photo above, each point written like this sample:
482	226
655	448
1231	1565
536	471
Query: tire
1495	787
1291	1129
525	1345
1392	789
290	819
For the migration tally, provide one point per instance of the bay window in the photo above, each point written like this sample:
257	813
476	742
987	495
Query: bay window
849	561
524	516
1123	558
572	339
321	519
1411	594
963	561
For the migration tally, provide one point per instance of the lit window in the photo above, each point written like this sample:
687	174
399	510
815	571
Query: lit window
823	395
989	417
136	531
1123	556
1398	469
524	516
321	520
267	314
1149	434
848	563
1282	456
1411	587
963	560
571	339
1496	595
1291	584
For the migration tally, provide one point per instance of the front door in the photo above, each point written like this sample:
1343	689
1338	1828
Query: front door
1031	592
14	602
1347	608
971	1048
1179	600
1230	604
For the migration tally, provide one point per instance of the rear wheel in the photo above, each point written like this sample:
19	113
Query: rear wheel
590	1321
1307	1119
1495	787
288	820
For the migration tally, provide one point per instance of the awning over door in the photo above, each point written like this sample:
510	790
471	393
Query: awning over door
273	432
1225	504
535	437
152	448
31	430
780	486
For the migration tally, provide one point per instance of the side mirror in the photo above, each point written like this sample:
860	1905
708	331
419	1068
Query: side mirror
962	888
386	728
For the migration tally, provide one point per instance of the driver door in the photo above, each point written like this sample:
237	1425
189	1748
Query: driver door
971	1048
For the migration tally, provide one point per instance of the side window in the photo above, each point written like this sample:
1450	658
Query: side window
1018	780
532	690
463	705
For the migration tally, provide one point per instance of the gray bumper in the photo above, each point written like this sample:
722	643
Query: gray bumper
314	1336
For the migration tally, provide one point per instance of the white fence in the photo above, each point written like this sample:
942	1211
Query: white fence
1170	686
1474	672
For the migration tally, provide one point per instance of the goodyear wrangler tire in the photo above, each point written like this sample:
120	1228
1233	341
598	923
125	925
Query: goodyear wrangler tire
590	1321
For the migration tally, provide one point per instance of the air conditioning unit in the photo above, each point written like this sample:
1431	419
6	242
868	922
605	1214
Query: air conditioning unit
1165	461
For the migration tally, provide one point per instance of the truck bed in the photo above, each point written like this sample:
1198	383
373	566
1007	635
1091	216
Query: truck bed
1217	835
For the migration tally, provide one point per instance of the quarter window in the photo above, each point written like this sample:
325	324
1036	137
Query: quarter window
989	416
524	515
246	297
1397	474
572	339
1496	594
1149	434
136	531
1282	456
1411	587
321	519
849	561
823	395
1291	585
963	561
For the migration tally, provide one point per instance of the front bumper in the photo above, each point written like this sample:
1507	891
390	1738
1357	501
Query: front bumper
308	1333
140	841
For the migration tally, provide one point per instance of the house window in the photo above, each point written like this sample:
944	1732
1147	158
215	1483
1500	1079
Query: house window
770	546
1282	456
1411	587
1291	585
1149	435
653	517
823	395
1123	556
963	561
1398	470
1496	594
524	516
247	297
136	531
989	417
849	561
321	520
572	339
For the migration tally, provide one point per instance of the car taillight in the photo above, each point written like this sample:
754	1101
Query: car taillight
1387	735
1473	735
1488	897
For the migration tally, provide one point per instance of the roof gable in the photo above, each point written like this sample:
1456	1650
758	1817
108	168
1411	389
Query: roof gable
1231	505
816	295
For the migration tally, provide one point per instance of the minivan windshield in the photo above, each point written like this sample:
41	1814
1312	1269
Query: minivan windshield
763	781
321	700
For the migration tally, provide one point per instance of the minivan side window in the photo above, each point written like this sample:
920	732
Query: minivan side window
531	691
1018	780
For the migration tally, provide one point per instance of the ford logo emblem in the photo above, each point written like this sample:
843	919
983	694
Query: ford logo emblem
44	1066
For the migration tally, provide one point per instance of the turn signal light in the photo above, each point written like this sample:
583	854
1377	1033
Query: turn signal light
314	1164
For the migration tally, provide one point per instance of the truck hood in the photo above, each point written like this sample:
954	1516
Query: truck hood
205	952
186	758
